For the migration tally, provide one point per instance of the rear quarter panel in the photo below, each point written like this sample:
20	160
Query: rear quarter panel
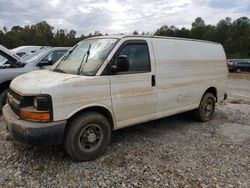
185	70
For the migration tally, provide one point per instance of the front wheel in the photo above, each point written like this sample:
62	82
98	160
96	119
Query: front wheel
87	136
206	108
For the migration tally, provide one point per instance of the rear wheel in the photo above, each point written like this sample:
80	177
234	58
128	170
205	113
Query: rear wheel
206	108
87	136
3	98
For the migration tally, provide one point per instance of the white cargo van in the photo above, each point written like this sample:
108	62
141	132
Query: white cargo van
108	83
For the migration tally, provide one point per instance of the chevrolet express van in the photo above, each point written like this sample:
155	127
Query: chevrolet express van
111	82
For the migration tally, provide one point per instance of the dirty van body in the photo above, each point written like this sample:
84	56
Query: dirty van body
108	83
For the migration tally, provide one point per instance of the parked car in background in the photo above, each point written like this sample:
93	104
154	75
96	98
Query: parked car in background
112	82
14	65
2	60
23	50
238	65
5	51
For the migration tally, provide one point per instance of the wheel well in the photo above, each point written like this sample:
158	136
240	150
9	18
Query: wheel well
213	91
100	110
4	86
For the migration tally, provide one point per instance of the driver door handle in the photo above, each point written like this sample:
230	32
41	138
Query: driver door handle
153	81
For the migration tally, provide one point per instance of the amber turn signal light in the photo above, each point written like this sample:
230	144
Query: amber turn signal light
35	116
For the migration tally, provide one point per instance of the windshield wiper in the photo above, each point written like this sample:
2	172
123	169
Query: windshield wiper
82	62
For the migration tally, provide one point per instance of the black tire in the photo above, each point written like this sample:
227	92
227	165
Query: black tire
231	71
3	98
85	131
206	108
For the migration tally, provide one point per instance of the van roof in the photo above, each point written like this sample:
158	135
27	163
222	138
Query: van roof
153	36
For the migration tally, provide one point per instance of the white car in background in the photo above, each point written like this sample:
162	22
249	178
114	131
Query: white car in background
23	50
13	65
3	51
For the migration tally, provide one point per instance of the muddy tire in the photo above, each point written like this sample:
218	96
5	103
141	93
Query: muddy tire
206	108
3	98
87	136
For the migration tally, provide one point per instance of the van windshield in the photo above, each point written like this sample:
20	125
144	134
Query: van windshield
86	57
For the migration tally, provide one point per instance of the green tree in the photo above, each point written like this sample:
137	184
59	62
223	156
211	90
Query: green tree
210	33
5	29
135	33
198	28
233	35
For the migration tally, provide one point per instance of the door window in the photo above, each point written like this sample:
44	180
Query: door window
138	57
54	56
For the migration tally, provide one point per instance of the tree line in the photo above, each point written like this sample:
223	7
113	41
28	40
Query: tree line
234	35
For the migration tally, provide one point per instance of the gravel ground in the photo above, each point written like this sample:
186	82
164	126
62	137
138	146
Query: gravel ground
171	152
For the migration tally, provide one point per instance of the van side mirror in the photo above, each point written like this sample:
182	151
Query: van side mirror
122	64
44	63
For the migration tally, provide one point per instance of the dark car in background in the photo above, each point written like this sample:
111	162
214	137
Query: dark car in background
238	65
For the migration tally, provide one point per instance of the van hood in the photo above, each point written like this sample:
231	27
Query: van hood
37	82
69	93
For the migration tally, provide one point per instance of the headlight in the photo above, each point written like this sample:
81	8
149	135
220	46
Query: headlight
42	103
38	108
35	102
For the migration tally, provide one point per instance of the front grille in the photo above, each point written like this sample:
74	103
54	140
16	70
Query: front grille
16	95
14	101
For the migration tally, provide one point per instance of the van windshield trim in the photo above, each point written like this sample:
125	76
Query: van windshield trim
111	43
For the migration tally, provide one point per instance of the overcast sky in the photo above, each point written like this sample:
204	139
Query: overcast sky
113	16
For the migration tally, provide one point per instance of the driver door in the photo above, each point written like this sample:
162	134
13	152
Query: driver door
133	92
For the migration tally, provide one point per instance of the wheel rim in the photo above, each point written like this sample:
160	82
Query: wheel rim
208	107
90	138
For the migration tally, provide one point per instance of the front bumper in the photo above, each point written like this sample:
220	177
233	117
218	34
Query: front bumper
33	133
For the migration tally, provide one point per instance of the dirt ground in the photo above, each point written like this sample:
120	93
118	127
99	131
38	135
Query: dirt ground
170	152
